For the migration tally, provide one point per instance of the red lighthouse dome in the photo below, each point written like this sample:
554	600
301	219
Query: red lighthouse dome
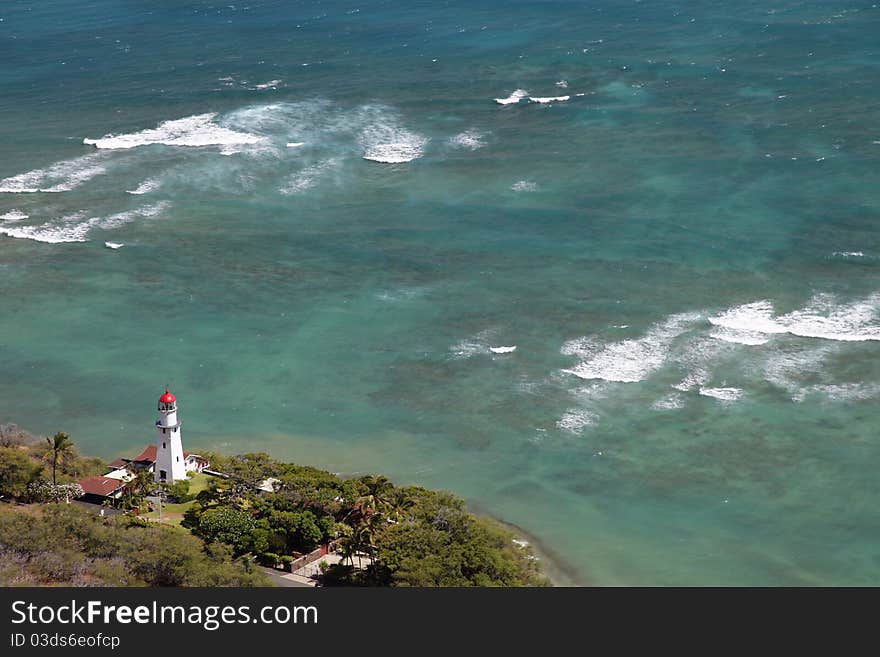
167	398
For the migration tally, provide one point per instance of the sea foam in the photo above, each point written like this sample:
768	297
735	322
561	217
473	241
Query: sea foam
722	394
469	139
149	185
513	98
823	318
197	130
388	143
12	216
630	361
69	228
576	420
549	99
60	177
308	177
75	227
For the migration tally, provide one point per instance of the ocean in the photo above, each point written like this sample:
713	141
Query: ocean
330	222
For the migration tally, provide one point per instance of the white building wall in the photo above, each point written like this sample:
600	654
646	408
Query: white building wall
169	448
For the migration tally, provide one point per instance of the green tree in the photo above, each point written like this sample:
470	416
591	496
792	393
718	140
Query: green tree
227	525
378	492
298	529
137	488
179	491
59	448
17	470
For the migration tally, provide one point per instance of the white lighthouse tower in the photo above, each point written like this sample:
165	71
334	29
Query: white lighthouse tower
170	460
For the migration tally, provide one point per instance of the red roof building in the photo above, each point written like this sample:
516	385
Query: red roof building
105	487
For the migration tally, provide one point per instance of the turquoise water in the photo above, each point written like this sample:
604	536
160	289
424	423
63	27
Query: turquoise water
684	252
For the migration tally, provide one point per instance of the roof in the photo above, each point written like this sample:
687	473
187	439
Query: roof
99	485
148	455
118	463
168	397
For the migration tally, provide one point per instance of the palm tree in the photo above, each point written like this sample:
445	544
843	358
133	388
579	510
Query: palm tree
139	486
348	544
378	495
60	447
399	504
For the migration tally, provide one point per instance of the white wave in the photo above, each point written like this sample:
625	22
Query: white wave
271	84
790	367
470	139
821	318
149	185
630	361
738	336
478	344
12	216
723	394
581	347
121	218
388	143
308	177
669	403
502	350
197	130
59	177
563	84
849	254
845	392
401	294
114	245
513	98
693	380
576	420
70	228
295	144
524	186
549	99
75	227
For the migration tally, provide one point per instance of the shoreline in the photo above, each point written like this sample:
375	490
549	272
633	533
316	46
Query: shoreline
553	567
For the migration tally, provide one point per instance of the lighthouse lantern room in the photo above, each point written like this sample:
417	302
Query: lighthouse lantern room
170	459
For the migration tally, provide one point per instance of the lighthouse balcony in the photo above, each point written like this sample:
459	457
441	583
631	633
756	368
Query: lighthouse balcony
167	426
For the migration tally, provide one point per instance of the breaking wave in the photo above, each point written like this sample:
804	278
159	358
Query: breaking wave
76	227
513	98
821	318
59	177
389	143
197	130
630	361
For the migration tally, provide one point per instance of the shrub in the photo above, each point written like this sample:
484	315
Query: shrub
269	559
179	491
45	491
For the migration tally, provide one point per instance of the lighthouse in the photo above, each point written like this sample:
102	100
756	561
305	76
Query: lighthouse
170	459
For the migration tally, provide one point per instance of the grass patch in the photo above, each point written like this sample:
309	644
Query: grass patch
198	483
172	514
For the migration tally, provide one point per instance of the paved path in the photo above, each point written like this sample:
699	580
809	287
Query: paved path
285	579
304	576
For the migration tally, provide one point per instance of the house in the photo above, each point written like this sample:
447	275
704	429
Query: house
146	460
165	459
99	489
